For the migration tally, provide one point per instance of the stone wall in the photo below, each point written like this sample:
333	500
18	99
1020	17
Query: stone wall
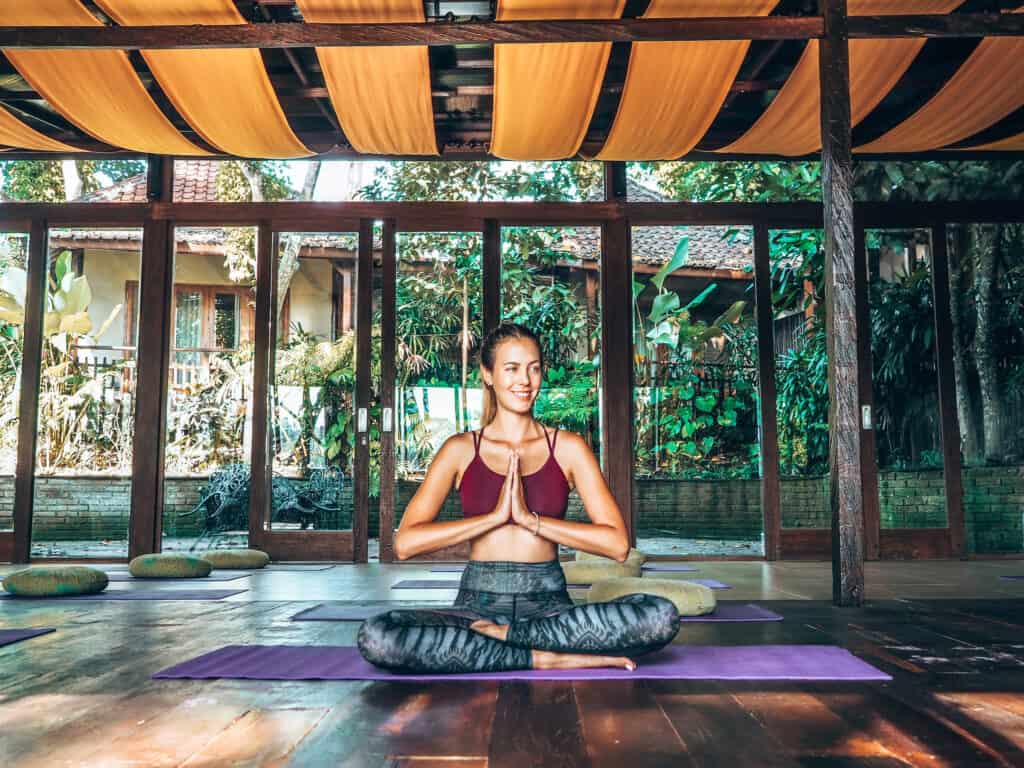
96	506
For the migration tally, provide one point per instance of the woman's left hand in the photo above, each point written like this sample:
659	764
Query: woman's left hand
521	514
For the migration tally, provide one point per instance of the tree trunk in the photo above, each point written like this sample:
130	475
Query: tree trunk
957	296
72	180
985	240
309	182
251	171
287	267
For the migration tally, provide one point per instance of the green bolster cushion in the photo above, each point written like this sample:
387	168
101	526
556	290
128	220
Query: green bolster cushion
56	581
236	559
635	556
691	599
169	565
589	571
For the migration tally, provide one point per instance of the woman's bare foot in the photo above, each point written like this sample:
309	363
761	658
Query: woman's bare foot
489	628
550	660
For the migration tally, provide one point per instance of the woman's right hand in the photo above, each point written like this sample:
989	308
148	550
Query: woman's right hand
503	509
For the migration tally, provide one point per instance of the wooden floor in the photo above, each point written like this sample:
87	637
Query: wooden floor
950	633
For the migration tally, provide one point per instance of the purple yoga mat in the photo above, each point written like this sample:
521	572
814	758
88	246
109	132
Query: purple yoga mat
666	567
360	611
142	594
8	636
1012	578
734	612
711	583
676	662
125	576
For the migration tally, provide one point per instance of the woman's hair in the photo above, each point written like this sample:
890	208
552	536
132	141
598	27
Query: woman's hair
488	347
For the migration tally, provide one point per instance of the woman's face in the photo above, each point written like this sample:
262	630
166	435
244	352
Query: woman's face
516	377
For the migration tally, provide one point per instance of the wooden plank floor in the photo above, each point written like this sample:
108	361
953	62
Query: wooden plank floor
950	633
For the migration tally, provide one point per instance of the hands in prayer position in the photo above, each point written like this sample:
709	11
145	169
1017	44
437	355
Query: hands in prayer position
511	506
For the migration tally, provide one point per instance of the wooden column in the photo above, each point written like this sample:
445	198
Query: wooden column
389	266
841	310
28	396
770	497
156	308
868	447
364	320
617	349
264	338
949	420
491	277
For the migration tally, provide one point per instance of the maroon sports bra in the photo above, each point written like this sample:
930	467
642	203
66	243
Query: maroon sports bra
546	490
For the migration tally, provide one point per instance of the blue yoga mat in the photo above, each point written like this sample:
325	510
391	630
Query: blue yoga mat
10	636
141	594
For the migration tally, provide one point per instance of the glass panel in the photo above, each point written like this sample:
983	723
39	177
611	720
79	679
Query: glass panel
13	267
724	181
551	280
78	181
439	324
82	495
209	428
801	376
226	321
696	438
313	387
908	437
987	313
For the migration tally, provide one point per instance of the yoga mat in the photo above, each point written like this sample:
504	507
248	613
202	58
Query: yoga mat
9	636
358	611
666	567
710	583
286	567
734	612
454	568
227	576
141	594
1012	578
676	662
426	584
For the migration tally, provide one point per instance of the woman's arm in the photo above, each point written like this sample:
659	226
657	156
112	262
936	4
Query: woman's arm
606	533
419	533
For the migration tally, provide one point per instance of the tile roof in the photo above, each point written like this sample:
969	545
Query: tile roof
195	181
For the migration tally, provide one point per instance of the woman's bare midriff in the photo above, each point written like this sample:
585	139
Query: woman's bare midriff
512	543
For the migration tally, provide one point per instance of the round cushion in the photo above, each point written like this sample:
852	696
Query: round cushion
635	556
236	559
169	565
589	571
55	581
691	599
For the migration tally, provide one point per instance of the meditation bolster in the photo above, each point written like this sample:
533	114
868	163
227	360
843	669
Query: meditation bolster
635	556
589	571
236	559
169	566
691	599
56	580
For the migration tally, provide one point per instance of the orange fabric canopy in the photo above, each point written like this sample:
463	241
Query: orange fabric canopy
224	94
545	93
673	91
791	125
96	90
14	133
985	89
1009	144
381	94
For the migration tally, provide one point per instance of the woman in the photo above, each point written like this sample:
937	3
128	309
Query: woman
513	610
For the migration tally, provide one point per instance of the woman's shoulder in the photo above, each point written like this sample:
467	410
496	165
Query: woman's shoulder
457	448
567	442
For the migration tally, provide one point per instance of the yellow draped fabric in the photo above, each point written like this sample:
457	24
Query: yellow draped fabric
224	94
791	125
674	90
985	89
96	90
544	94
14	133
381	95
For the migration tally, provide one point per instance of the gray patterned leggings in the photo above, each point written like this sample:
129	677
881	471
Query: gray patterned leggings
532	599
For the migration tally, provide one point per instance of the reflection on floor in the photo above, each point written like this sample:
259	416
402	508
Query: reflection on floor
950	633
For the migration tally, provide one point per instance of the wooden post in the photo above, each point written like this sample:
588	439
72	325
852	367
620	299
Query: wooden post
617	349
364	320
949	419
841	309
28	396
156	290
388	262
264	341
491	276
770	492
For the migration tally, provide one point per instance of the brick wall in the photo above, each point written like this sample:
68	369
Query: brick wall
994	508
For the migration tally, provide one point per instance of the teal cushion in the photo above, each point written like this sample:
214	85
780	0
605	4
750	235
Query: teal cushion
169	565
236	559
55	581
636	557
690	598
589	571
